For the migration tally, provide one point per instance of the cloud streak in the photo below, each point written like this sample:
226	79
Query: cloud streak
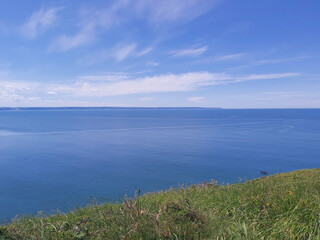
121	52
196	99
144	51
39	22
94	21
158	84
189	52
162	12
230	57
269	61
64	43
14	92
90	21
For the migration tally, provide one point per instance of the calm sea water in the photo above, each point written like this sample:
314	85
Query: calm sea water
57	159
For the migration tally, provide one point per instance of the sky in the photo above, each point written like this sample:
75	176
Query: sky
160	53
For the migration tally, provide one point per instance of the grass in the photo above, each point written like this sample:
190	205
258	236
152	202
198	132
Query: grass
282	206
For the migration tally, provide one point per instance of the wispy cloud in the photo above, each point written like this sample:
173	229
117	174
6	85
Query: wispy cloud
144	51
64	43
279	60
115	84
54	89
109	77
160	83
269	61
162	12
196	99
17	91
265	76
89	22
93	21
145	99
51	93
219	58
39	22
230	57
94	57
121	52
189	52
153	64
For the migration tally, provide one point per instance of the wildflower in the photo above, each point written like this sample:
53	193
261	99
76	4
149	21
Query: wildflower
268	204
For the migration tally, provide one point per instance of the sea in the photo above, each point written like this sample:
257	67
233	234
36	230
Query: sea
55	160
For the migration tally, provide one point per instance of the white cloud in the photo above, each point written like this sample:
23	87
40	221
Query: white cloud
189	52
196	99
94	57
153	64
14	92
159	83
145	99
144	51
93	21
109	77
60	89
265	76
39	22
164	11
121	52
269	61
216	58
230	57
89	21
64	43
279	60
52	93
15	87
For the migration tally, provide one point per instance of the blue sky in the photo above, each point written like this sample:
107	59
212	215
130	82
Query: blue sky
153	53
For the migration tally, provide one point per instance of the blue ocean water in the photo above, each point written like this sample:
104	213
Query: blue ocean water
58	158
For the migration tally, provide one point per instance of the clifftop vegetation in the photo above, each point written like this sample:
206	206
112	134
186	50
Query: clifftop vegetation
282	206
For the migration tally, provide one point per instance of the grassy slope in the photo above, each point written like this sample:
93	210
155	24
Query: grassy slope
283	206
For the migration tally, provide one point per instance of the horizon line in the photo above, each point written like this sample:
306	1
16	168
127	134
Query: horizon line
123	107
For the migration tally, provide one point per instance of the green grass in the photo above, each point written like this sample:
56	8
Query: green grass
282	206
